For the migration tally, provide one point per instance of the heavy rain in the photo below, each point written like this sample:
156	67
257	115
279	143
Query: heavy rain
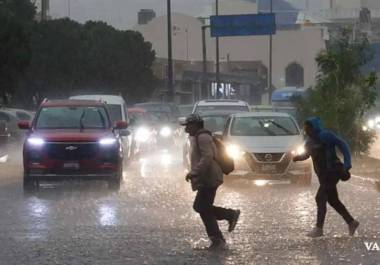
189	132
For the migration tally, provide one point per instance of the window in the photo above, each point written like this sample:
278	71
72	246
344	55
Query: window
23	116
4	117
263	126
72	118
294	75
114	110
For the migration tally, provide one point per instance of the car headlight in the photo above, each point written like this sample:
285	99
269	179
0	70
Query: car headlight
107	141
234	151
300	150
35	141
165	132
142	135
371	124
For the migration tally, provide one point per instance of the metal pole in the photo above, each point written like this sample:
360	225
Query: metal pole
204	56
170	56
270	88
69	8
217	54
43	10
187	44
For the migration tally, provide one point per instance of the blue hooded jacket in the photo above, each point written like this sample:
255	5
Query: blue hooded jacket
328	141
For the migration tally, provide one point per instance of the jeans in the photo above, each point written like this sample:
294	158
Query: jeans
328	193
210	214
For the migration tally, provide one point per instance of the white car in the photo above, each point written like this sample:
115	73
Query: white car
118	111
262	145
205	106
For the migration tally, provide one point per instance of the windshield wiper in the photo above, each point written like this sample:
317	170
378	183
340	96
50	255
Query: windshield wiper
270	132
81	119
282	128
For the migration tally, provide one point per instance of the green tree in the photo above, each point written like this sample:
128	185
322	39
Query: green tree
343	94
16	18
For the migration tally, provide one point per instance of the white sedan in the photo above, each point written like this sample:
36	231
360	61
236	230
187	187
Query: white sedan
262	145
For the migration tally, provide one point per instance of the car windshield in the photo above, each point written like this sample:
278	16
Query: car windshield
72	118
115	112
159	116
203	109
215	123
263	126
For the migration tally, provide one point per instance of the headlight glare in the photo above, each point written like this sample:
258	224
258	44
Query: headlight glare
35	141
234	151
142	135
300	150
165	132
107	141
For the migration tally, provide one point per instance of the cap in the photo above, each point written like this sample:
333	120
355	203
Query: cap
192	118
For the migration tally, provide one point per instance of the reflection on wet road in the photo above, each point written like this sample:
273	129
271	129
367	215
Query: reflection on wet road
151	221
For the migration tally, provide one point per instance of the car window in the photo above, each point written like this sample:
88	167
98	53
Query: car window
215	123
263	126
114	110
204	109
72	118
23	116
4	117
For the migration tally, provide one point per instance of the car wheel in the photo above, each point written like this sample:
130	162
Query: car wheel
29	183
115	183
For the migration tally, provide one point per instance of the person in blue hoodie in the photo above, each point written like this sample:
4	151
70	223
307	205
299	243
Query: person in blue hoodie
321	147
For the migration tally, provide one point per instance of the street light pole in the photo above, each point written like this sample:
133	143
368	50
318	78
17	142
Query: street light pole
204	56
217	72
170	55
270	88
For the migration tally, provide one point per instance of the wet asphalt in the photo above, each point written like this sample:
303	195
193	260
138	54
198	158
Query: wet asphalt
151	221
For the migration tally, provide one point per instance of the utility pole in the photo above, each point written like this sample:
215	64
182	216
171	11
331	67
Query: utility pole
170	55
217	54
204	56
68	8
44	8
270	88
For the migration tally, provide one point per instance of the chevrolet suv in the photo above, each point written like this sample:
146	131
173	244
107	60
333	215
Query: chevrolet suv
72	139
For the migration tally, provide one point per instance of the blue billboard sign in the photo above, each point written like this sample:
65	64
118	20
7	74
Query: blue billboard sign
243	25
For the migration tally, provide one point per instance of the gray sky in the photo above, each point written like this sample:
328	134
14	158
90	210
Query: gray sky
121	13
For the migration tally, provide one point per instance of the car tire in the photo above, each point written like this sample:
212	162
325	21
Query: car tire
115	183
29	183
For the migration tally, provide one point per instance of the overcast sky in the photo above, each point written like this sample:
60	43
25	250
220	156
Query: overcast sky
123	13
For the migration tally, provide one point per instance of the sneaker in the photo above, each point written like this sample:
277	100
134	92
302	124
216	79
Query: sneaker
352	227
218	244
233	221
316	232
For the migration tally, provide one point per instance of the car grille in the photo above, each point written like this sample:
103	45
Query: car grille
71	151
268	157
277	166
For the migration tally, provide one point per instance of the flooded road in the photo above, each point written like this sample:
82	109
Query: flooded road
151	221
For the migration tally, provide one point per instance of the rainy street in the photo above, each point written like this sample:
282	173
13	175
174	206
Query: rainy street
151	221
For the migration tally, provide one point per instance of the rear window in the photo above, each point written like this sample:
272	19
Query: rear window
4	117
23	116
211	108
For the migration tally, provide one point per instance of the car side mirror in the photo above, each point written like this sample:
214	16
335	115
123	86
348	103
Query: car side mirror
218	135
120	125
24	125
125	132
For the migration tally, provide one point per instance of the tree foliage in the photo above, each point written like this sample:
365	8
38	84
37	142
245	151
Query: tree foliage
343	94
16	18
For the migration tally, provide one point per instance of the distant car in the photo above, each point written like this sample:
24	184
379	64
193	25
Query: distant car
72	139
204	106
9	117
186	110
262	145
170	108
118	111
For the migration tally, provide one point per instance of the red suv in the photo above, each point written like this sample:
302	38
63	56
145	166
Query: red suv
73	139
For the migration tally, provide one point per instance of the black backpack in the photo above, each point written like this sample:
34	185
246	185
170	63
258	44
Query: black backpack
225	162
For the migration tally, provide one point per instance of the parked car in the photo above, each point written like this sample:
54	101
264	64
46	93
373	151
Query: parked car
118	111
221	105
72	139
263	144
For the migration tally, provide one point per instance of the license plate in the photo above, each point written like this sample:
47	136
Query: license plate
71	165
268	168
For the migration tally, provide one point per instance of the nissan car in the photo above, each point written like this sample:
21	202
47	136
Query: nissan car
72	139
262	145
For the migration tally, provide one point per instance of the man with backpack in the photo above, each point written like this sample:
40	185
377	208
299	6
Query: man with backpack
320	146
206	176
